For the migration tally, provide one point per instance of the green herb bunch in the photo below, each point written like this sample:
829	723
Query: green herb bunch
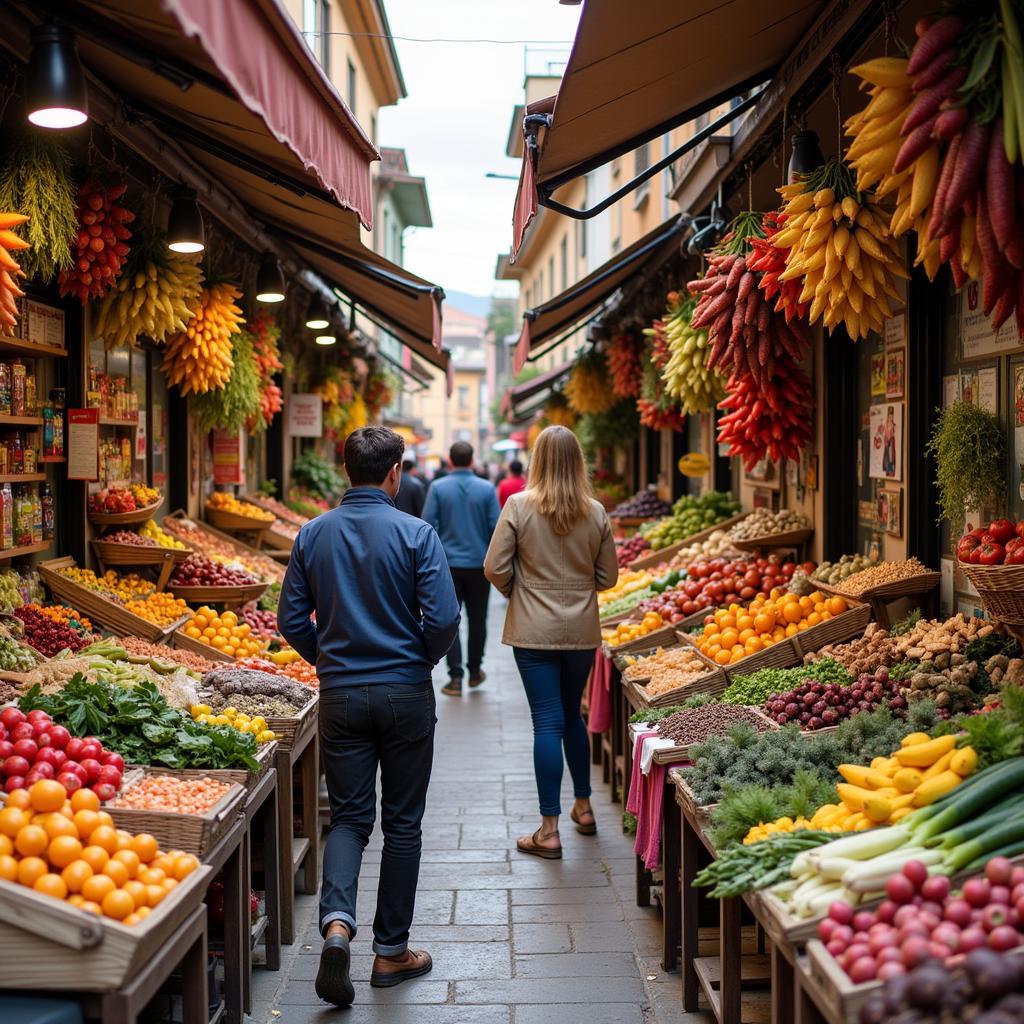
238	402
969	449
760	685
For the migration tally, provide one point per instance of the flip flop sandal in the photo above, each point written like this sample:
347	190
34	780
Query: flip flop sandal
453	688
388	979
584	830
534	848
475	681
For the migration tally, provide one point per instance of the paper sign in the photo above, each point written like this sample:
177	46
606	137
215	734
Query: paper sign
977	334
988	397
83	444
305	415
228	465
950	390
44	325
140	436
895	331
694	464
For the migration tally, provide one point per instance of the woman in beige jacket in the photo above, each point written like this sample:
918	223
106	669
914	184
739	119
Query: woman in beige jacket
551	551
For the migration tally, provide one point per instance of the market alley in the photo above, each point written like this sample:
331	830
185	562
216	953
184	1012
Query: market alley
510	935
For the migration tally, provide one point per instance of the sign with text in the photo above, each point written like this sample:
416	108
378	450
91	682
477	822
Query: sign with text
228	458
305	415
977	335
83	444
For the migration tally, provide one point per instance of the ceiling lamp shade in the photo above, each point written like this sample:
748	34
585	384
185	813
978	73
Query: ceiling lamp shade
807	156
55	90
269	281
327	338
185	229
317	318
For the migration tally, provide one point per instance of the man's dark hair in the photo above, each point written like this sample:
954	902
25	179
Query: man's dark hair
515	467
370	452
408	461
461	454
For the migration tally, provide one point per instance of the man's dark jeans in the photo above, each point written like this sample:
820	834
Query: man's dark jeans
361	727
471	590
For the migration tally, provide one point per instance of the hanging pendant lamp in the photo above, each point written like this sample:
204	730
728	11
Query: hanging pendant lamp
269	281
317	318
186	232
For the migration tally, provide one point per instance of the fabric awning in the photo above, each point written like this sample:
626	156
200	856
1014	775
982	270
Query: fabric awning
639	69
543	382
557	315
236	78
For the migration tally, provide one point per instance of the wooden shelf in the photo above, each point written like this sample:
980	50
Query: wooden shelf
28	549
110	421
52	458
32	348
22	478
21	421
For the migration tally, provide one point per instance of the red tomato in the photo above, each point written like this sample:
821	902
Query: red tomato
991	553
1001	529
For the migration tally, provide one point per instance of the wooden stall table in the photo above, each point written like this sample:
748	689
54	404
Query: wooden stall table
261	818
298	855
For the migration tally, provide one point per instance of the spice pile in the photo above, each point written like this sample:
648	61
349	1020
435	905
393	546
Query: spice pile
695	725
667	670
881	574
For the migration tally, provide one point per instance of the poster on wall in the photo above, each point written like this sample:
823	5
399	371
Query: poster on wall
885	459
1018	395
305	415
895	372
988	395
890	509
878	375
895	330
969	386
228	458
977	337
83	444
950	390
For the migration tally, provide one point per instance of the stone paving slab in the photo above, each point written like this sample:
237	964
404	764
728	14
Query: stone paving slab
515	939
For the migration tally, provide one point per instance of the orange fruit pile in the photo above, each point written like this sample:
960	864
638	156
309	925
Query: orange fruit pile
224	632
69	849
626	631
735	632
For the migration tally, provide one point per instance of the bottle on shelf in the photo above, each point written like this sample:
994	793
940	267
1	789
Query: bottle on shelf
48	511
5	389
48	417
57	398
17	388
31	402
17	456
23	521
37	515
6	517
126	458
29	458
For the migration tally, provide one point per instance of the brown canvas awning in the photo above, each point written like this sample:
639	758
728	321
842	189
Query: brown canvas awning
519	394
639	69
575	304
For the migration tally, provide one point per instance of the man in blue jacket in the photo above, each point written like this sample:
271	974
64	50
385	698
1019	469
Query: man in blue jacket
385	615
464	511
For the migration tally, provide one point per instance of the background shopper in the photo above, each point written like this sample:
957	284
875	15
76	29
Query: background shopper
412	494
550	554
385	614
464	509
513	483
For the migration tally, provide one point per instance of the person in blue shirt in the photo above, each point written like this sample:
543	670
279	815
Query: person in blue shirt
386	613
464	511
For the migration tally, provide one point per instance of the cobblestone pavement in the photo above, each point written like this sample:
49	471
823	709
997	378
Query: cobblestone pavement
515	939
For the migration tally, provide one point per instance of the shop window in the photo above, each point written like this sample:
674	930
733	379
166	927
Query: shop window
641	161
462	398
551	276
316	27
351	86
565	261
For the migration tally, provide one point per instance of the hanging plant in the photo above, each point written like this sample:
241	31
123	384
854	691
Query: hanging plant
685	374
588	389
968	445
237	403
35	181
557	413
625	365
770	260
658	410
100	246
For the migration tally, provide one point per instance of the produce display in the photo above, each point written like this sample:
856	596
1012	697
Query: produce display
54	628
231	717
266	335
150	531
630	549
759	686
279	508
101	245
173	795
209	544
876	649
129	537
13	656
717	582
623	355
666	670
198	358
134	593
690	515
686	375
223	631
263	623
10	271
237	401
762	523
34	747
735	631
221	501
770	259
931	638
694	725
817	705
200	571
628	583
167	735
588	389
717	545
134	645
123	499
625	632
878	575
644	504
832	573
999	543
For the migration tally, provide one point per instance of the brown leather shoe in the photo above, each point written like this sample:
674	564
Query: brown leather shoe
393	970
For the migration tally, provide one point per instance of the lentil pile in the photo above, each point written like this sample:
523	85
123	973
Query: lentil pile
249	705
880	574
695	725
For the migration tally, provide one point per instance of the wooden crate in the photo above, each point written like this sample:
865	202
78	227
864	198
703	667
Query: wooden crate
666	554
836	630
778	921
909	587
673	755
828	977
265	755
193	833
780	655
113	553
139	515
713	682
286	729
790	539
112	616
233	521
48	944
641	643
184	642
686	799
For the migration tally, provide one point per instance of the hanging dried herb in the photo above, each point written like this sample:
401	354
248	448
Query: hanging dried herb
35	180
231	406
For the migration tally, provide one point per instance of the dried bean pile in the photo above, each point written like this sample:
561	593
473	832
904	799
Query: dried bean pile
694	725
880	574
136	645
249	705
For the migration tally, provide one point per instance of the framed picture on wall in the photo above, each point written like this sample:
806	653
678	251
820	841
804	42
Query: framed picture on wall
878	375
1018	395
895	372
890	510
885	458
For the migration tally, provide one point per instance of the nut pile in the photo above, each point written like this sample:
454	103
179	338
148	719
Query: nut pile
762	523
832	573
667	670
880	574
694	725
929	637
874	650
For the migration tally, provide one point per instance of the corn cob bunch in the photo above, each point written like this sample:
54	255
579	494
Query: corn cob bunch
841	249
624	365
686	376
10	271
198	359
157	298
770	261
588	389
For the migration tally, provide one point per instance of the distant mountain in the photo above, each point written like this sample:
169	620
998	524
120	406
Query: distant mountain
477	305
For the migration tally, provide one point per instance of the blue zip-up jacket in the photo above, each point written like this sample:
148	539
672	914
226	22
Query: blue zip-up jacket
380	586
464	511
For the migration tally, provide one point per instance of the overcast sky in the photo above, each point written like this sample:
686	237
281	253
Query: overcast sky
455	121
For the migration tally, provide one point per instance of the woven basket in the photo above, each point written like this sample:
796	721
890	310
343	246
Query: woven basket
792	539
641	643
218	595
674	755
836	630
232	521
286	729
265	754
139	515
267	564
1001	589
112	553
919	584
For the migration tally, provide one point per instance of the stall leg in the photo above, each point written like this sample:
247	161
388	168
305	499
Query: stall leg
730	960
310	775
671	851
236	932
195	999
689	937
783	995
268	817
285	834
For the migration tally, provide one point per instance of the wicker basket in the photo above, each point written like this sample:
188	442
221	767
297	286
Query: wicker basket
184	642
792	539
233	521
780	655
1001	589
265	755
271	568
909	587
836	630
139	515
641	643
286	729
687	800
193	833
218	595
112	616
112	553
675	755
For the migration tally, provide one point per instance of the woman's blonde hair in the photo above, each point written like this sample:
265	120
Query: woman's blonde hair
558	483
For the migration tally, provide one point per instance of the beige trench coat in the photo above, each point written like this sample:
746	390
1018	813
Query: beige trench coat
551	582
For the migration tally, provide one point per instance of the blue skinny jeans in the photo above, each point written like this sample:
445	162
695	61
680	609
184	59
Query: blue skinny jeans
554	682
